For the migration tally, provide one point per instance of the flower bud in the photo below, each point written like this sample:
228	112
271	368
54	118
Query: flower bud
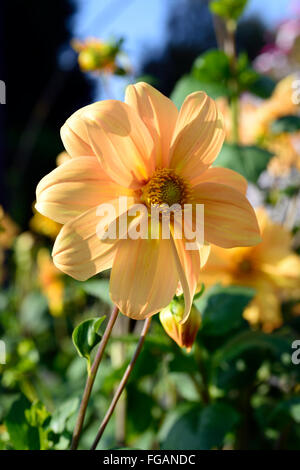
184	334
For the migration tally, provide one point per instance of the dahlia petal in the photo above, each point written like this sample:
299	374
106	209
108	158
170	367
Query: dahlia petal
121	142
198	135
188	267
229	219
222	176
75	137
80	249
143	277
74	187
159	114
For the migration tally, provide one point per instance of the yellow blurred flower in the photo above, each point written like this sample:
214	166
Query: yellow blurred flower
50	281
43	225
96	55
8	233
271	268
184	334
255	119
8	230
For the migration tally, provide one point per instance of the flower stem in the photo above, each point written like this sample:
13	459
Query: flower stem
122	384
235	119
91	379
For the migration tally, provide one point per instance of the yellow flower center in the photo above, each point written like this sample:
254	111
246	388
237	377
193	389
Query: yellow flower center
245	266
165	187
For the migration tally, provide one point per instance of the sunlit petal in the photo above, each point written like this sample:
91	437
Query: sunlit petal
143	277
229	219
159	114
198	135
74	187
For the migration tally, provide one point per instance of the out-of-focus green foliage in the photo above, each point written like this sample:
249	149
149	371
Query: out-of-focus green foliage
213	74
235	382
286	124
228	9
249	161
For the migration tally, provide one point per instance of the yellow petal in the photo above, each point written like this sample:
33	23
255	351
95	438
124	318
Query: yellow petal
276	240
286	273
204	254
121	141
217	269
159	114
198	136
74	135
229	219
264	309
222	176
74	187
188	267
143	277
79	249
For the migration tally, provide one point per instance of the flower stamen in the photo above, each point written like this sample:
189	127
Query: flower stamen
165	187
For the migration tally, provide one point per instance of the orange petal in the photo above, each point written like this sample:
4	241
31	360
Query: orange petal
74	187
223	176
159	114
204	254
143	278
121	141
79	249
229	219
198	136
276	240
188	268
74	135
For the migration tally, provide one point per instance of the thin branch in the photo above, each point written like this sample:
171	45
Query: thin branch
122	384
91	379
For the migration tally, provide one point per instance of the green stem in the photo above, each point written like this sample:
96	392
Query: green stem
122	384
91	379
235	118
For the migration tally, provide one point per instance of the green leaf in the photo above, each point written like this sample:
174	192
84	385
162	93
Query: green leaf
249	161
98	288
263	86
192	427
62	414
284	412
237	362
285	124
212	66
188	84
22	435
222	309
275	344
228	9
86	335
37	414
33	313
139	406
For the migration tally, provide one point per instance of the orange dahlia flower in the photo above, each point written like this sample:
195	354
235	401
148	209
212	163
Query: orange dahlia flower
147	152
271	268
